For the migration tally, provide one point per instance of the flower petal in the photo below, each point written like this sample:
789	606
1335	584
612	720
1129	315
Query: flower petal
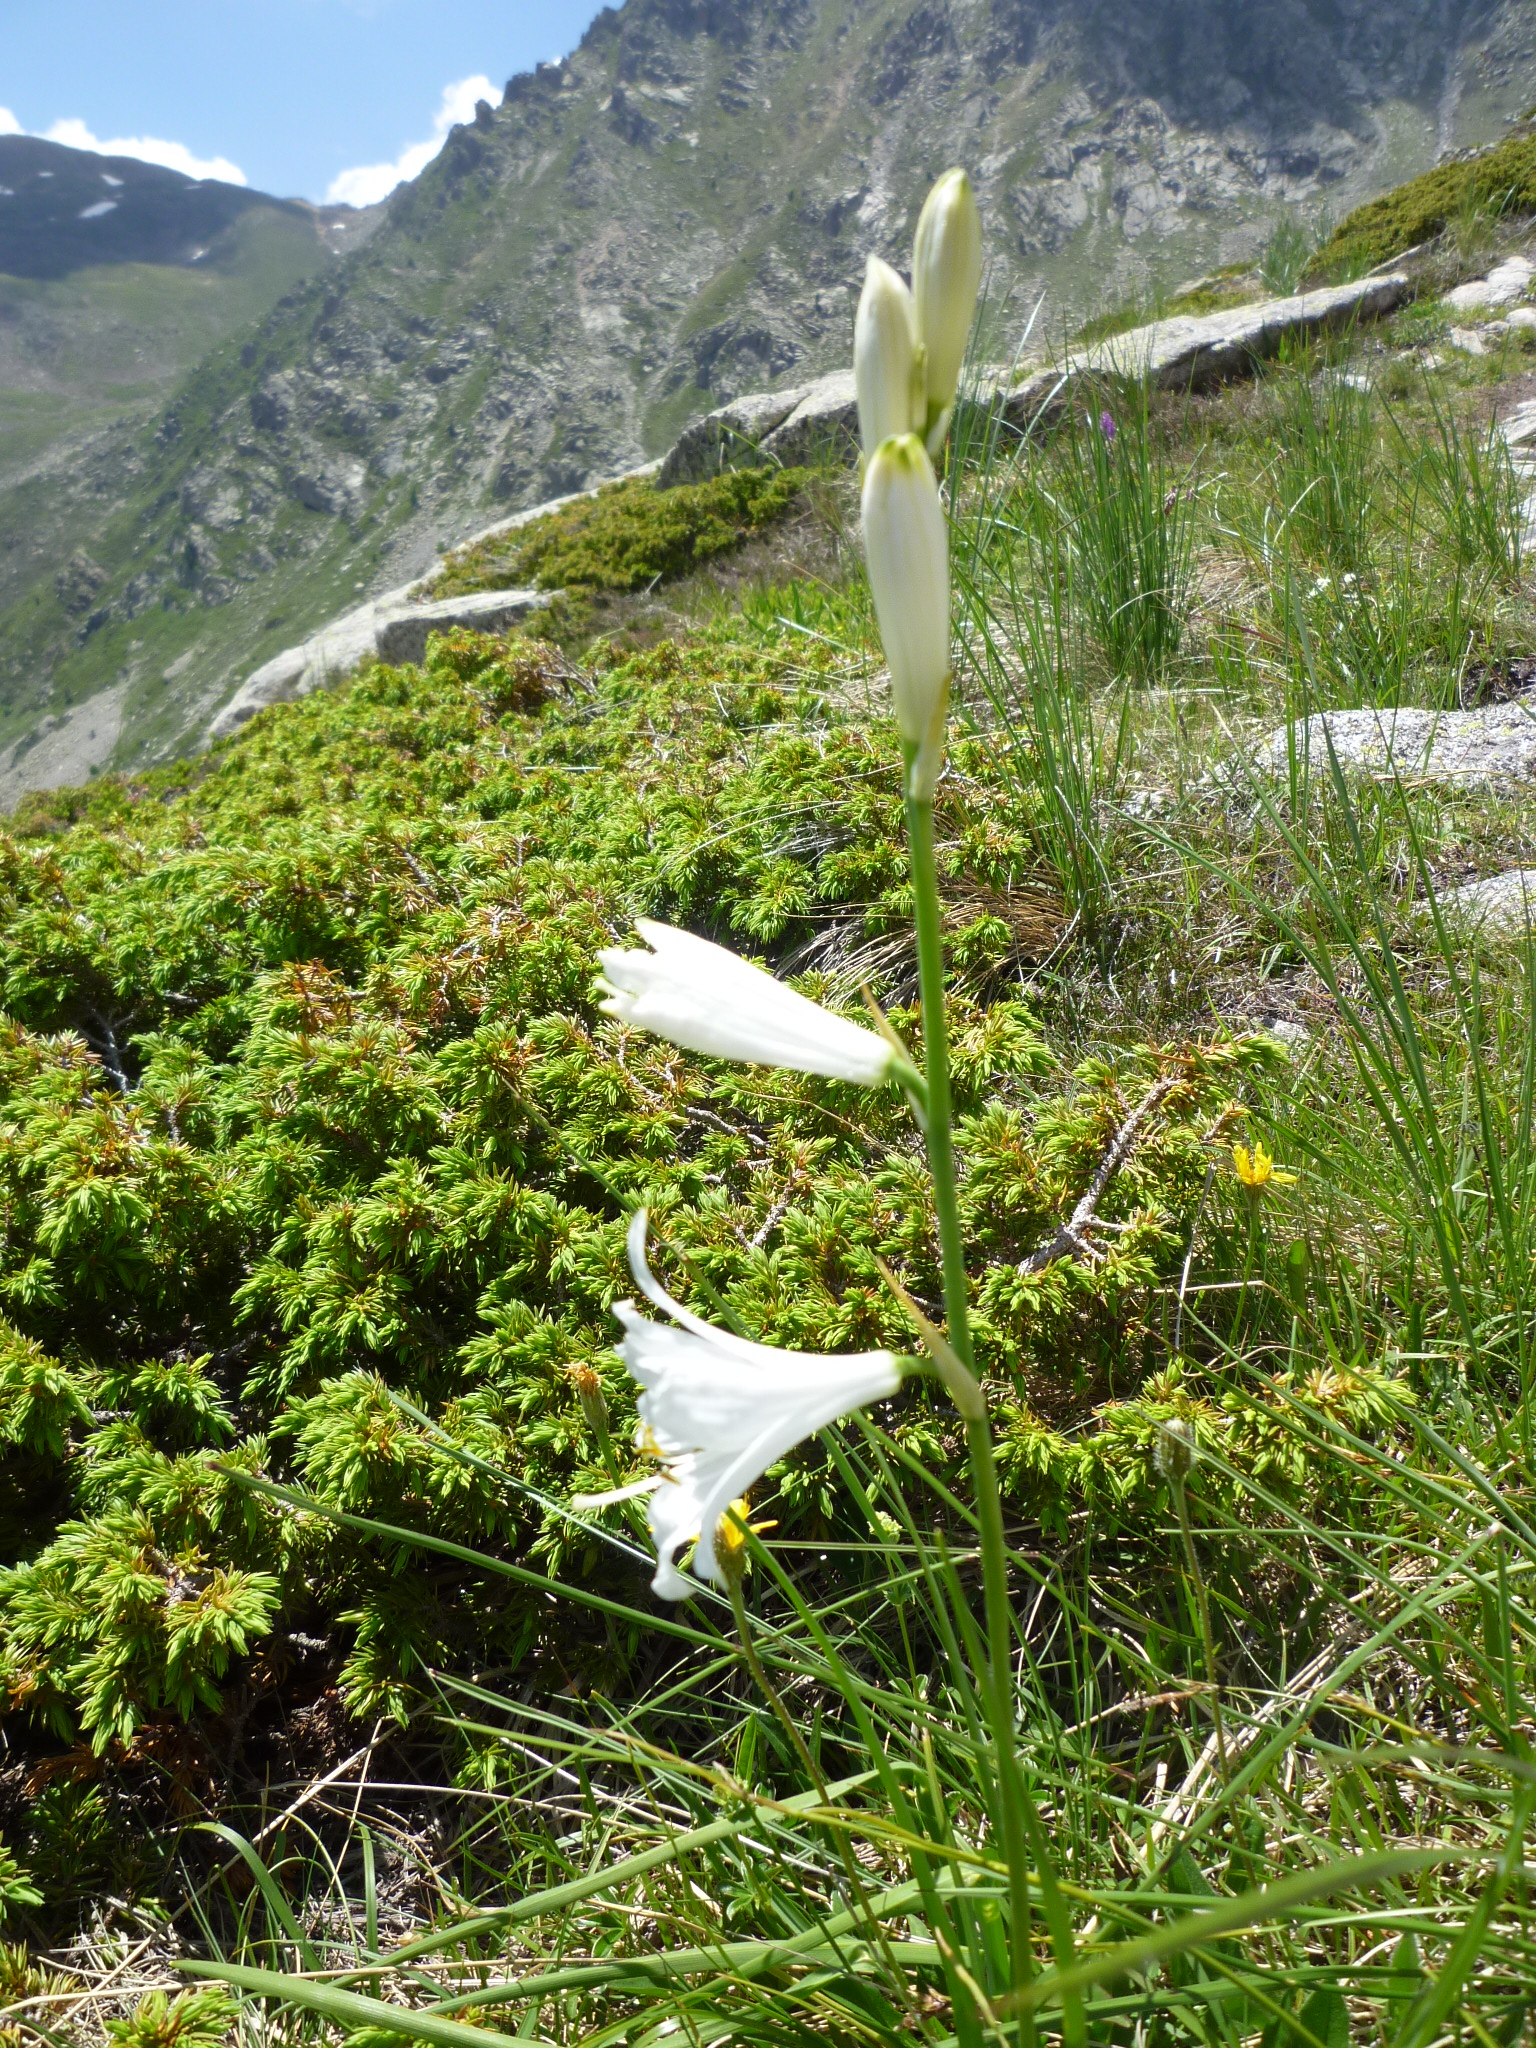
708	999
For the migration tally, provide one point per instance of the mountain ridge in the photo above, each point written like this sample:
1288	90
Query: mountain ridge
65	209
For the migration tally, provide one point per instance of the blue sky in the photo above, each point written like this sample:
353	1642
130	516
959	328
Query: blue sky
305	98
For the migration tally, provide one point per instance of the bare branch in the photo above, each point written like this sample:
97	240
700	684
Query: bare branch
1069	1238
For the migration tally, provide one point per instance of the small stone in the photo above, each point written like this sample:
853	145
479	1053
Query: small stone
1519	426
1523	319
1495	744
1505	283
1290	1033
1468	340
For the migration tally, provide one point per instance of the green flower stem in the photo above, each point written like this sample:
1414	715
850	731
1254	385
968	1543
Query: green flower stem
941	1145
1203	1610
997	1681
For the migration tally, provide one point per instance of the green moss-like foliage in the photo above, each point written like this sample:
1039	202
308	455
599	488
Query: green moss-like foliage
307	1112
1501	180
628	536
194	2019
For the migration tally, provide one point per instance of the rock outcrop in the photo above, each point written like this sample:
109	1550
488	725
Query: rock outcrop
806	424
394	628
810	422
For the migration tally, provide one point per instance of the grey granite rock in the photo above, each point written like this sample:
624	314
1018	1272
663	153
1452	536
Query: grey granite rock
729	437
1497	904
1505	285
1461	748
395	629
1191	352
402	635
824	426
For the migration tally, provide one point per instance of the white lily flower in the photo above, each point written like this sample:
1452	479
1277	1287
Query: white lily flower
708	999
886	372
720	1410
906	546
946	276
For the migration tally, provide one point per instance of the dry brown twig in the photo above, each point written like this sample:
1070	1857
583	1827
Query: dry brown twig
1069	1238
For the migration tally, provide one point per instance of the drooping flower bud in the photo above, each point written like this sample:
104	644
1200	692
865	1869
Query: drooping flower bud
886	372
946	276
906	545
1174	1452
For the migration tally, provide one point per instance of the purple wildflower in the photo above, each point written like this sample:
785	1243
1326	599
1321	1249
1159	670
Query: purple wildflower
1107	425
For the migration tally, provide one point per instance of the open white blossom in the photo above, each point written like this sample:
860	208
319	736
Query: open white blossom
946	276
720	1410
906	546
886	372
710	1000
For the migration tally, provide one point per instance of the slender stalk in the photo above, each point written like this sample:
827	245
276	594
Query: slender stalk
1250	1255
946	1199
998	1686
941	1147
1203	1606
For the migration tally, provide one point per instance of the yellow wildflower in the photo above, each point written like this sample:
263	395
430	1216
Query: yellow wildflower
1257	1169
731	1538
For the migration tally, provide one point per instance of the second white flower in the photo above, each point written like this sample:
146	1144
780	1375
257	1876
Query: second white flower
720	1410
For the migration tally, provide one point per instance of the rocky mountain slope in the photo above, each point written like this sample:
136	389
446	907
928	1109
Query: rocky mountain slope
116	279
676	214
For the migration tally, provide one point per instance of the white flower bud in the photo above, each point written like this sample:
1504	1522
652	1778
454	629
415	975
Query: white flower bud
946	276
906	545
886	374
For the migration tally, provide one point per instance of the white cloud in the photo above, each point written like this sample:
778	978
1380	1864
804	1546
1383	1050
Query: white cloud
149	149
367	184
9	125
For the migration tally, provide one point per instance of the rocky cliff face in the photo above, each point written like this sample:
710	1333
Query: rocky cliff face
680	212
